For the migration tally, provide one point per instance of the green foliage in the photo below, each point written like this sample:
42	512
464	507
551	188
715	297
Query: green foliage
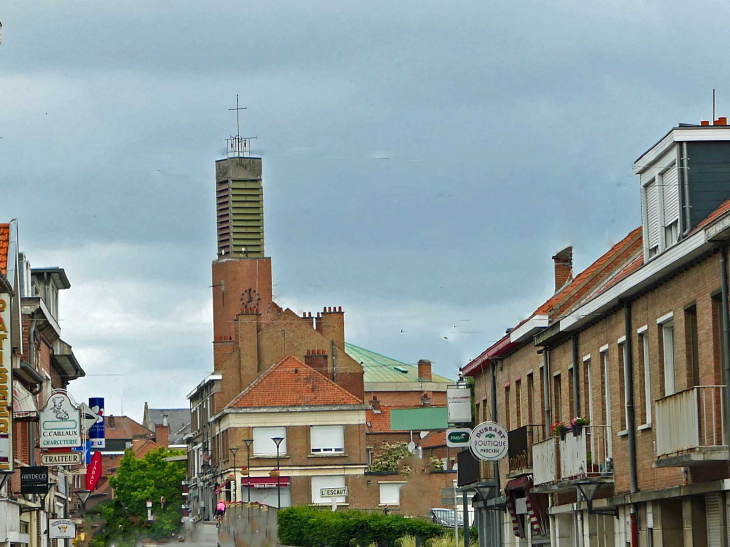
136	481
436	464
448	540
307	526
388	456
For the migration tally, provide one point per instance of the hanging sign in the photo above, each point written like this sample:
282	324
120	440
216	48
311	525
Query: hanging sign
489	441
61	458
61	529
458	438
458	404
6	388
93	472
59	422
97	434
34	480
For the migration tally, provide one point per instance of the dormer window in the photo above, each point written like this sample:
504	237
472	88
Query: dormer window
660	204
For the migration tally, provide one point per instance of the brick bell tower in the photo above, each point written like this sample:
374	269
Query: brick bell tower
241	274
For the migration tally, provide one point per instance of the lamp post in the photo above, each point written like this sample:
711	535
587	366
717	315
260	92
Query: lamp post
248	442
588	490
234	450
278	441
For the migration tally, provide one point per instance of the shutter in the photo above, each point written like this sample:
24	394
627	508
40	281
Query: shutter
715	528
327	481
670	196
390	493
652	214
327	438
262	443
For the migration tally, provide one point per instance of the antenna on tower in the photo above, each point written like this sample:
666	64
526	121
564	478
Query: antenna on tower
237	146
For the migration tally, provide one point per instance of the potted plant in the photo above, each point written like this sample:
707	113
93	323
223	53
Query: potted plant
274	472
559	428
577	424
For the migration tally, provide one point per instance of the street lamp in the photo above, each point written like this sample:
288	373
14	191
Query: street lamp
588	490
248	442
83	496
278	441
234	450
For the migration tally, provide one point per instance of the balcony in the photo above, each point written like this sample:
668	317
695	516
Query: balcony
559	462
519	452
690	427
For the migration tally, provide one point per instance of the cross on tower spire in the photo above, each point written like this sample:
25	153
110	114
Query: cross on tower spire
238	146
238	122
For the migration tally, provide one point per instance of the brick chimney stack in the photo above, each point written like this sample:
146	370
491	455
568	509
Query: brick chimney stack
563	261
162	434
317	359
375	404
424	370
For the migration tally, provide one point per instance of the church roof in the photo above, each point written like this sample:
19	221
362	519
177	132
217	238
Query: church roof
379	368
292	383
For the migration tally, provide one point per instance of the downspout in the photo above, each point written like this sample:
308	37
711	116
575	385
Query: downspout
497	514
576	376
546	387
725	332
684	172
629	386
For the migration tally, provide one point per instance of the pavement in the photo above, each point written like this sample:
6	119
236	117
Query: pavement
203	534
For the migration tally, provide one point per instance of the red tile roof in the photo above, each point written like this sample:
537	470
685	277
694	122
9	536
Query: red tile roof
124	428
714	215
435	439
4	246
292	383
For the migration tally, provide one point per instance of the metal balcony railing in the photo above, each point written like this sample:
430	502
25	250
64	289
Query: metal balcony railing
586	453
545	462
689	420
521	441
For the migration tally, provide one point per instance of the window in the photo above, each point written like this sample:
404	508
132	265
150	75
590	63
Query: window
651	212
518	402
530	399
571	399
692	345
369	455
587	389
506	408
718	349
476	412
645	376
390	493
558	398
327	439
666	332
605	388
671	233
622	383
542	395
327	481
262	443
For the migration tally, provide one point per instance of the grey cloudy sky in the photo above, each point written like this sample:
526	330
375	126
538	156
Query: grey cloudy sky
509	130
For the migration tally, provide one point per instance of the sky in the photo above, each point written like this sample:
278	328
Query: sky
422	160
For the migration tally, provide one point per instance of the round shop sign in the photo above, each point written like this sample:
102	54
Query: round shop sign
489	441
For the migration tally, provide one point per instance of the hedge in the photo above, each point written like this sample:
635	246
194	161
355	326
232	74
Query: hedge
306	526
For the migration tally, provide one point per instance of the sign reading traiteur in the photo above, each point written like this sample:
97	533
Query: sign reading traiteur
489	441
59	422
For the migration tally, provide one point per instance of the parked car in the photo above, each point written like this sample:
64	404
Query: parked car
445	517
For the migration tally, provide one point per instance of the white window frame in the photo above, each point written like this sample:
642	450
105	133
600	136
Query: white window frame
607	395
264	446
398	484
623	349
670	363
643	333
335	435
326	481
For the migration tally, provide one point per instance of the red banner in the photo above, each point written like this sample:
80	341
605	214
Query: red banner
93	472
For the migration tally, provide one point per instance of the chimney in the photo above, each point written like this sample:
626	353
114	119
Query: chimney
164	420
563	267
111	422
424	370
375	404
162	433
317	359
722	120
333	325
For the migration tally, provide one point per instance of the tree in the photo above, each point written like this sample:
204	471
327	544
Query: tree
139	480
388	456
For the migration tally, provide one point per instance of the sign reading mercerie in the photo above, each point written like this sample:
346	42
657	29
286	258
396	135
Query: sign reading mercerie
59	422
489	441
6	388
333	492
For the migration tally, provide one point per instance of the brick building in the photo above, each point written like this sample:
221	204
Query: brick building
34	361
636	345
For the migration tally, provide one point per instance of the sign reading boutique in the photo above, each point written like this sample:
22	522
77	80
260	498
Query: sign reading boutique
59	422
6	387
489	441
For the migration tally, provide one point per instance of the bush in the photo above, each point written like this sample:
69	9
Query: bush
307	526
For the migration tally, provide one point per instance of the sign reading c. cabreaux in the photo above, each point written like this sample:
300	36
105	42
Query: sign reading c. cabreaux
489	441
59	422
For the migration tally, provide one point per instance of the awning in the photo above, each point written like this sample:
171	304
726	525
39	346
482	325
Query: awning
264	482
517	484
24	405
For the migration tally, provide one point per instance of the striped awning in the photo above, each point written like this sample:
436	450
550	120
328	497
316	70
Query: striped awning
24	404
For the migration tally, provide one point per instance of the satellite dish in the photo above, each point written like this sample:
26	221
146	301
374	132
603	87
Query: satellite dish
411	446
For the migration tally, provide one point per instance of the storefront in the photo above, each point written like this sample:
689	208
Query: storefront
264	490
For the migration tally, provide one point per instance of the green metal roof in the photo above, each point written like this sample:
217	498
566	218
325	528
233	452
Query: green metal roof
379	368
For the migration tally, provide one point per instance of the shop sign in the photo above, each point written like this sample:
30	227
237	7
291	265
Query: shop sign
93	472
6	388
62	458
458	404
458	438
489	441
62	529
97	433
59	422
338	492
34	480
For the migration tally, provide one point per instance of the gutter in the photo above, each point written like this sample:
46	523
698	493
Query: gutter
725	330
629	386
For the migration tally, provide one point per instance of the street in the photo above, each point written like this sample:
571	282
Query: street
204	534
